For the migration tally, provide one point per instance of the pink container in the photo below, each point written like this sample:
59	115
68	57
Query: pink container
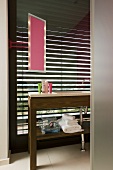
46	87
50	87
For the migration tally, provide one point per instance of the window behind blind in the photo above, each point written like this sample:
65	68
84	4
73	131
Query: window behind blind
67	67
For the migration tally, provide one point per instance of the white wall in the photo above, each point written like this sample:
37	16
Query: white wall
3	82
102	85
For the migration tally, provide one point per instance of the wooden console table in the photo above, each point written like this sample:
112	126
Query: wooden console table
49	101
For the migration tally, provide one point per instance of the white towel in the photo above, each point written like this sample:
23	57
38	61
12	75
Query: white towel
68	117
67	122
71	122
71	129
61	122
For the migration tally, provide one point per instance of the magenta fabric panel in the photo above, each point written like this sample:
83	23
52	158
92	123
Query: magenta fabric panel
37	40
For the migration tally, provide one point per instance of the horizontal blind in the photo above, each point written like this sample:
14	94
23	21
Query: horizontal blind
67	67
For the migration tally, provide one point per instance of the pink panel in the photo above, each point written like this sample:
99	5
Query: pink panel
37	43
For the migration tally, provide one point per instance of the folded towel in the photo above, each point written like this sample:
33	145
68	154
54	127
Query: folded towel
71	122
61	122
68	117
71	129
67	122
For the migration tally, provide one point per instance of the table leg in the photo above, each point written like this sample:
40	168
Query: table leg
81	117
82	142
85	110
32	138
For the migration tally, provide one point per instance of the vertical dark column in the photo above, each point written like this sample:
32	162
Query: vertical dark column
12	74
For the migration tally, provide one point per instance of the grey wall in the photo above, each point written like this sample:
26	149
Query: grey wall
102	85
3	82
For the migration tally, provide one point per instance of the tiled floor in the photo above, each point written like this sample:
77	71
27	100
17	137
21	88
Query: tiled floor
59	158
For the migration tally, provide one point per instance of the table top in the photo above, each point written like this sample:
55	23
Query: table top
61	93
